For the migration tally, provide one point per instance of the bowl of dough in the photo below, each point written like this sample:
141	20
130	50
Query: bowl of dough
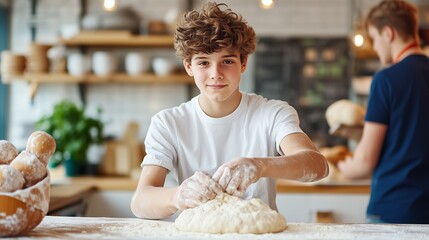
24	184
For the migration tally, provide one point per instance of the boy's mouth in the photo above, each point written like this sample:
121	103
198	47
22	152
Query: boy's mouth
217	86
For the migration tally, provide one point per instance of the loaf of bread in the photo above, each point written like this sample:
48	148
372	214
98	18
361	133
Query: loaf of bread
8	152
42	144
336	153
10	179
345	112
30	167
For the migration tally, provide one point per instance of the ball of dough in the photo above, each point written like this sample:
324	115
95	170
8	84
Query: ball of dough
42	144
229	214
345	112
30	167
10	179
8	152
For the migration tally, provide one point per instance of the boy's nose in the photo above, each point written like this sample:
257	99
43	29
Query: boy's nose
216	74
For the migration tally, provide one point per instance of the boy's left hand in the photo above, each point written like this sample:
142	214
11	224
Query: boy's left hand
236	176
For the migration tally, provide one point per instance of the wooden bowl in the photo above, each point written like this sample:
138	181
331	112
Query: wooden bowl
24	209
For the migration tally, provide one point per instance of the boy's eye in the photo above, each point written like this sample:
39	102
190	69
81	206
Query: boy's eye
228	61
203	63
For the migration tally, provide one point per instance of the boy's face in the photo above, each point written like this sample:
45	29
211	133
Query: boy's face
381	43
217	75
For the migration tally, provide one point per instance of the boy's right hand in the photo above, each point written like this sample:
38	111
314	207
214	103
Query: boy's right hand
197	189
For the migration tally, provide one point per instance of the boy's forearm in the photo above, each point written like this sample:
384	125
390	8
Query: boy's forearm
303	166
154	202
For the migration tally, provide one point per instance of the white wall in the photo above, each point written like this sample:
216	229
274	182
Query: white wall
127	102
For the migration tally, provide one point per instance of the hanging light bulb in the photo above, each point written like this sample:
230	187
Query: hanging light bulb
266	4
109	5
358	40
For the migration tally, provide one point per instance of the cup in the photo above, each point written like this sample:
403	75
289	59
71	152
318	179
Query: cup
136	63
104	63
78	64
163	66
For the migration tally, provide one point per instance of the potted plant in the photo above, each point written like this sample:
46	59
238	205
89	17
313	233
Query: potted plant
74	133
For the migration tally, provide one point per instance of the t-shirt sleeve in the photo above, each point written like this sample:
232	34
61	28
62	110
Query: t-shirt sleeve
286	122
159	144
378	109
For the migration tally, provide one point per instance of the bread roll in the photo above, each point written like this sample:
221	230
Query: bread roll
42	144
8	152
30	167
345	112
335	154
10	179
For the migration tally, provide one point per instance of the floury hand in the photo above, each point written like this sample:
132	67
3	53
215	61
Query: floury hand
236	176
197	189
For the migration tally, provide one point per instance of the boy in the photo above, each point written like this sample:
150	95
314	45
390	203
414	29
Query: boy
394	148
222	140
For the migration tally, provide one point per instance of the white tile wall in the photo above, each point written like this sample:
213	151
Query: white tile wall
127	102
295	17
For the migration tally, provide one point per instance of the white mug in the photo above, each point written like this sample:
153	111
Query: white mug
104	63
78	64
136	63
163	66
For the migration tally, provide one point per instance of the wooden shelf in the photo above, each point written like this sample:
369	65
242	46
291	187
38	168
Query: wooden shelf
35	79
107	38
164	41
177	78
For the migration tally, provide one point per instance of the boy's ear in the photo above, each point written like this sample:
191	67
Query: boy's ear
188	69
244	65
389	33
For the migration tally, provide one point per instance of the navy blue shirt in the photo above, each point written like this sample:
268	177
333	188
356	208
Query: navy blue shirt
399	98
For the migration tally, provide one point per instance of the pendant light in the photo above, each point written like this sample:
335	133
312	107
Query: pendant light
266	4
109	5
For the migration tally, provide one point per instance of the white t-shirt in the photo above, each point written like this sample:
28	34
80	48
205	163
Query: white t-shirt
184	139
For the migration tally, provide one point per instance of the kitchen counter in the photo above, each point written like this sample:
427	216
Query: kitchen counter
131	228
108	196
63	196
326	186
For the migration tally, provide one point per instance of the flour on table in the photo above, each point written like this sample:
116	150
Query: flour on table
229	214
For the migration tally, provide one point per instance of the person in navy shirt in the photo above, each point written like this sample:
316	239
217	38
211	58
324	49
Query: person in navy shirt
394	148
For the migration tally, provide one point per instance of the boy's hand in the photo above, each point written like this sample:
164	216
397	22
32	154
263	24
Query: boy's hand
197	189
236	176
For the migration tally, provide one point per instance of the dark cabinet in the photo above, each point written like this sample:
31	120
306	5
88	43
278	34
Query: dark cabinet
309	73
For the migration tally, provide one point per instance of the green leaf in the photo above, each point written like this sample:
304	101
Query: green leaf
72	130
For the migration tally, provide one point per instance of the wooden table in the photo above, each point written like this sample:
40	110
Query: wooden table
132	228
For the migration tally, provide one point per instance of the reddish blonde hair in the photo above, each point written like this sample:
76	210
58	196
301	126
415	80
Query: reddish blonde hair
396	14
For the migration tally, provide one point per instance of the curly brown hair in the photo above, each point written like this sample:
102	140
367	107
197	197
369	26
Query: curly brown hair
397	14
211	30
